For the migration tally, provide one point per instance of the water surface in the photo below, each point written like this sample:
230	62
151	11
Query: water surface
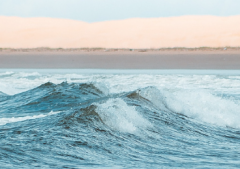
121	119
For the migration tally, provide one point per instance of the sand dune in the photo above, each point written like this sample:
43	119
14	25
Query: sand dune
184	31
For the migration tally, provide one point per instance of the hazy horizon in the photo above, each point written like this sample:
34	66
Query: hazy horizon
104	10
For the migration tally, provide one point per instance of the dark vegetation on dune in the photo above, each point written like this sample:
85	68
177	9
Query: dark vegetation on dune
98	49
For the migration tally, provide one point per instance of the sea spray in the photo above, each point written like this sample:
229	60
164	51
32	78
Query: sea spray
119	120
118	115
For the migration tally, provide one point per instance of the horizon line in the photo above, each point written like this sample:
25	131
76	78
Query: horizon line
60	18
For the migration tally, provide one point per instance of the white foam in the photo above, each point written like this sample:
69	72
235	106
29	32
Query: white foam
102	87
26	74
204	106
154	95
22	81
198	104
118	115
4	121
186	93
6	73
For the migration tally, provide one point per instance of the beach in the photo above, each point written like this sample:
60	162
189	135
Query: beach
123	59
119	84
183	42
105	97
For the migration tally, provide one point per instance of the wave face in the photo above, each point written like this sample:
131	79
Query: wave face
119	121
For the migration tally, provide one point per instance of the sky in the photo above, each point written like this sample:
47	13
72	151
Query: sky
103	10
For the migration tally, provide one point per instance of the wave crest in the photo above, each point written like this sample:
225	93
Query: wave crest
200	105
118	115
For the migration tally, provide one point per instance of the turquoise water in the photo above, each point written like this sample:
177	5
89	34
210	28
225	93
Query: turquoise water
119	118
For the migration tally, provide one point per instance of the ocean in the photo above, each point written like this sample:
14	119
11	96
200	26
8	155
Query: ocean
119	118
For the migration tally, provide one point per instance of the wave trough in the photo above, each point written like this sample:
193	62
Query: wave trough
129	121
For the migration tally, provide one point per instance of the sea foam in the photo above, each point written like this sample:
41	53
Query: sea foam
119	116
4	121
197	104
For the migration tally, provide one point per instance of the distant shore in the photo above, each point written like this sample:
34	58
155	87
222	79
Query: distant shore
135	33
227	58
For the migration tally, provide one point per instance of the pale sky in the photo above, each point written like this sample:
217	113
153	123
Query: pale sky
102	10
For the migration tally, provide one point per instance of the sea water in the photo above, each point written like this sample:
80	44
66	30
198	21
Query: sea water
119	119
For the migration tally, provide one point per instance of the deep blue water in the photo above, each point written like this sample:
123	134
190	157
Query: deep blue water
72	120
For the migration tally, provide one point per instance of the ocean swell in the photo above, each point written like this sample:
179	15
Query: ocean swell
112	122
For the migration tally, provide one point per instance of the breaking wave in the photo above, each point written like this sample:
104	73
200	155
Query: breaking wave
92	125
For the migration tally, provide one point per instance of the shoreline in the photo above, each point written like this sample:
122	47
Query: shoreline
165	59
175	49
128	71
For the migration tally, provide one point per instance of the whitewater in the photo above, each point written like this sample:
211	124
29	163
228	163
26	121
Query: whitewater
119	119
